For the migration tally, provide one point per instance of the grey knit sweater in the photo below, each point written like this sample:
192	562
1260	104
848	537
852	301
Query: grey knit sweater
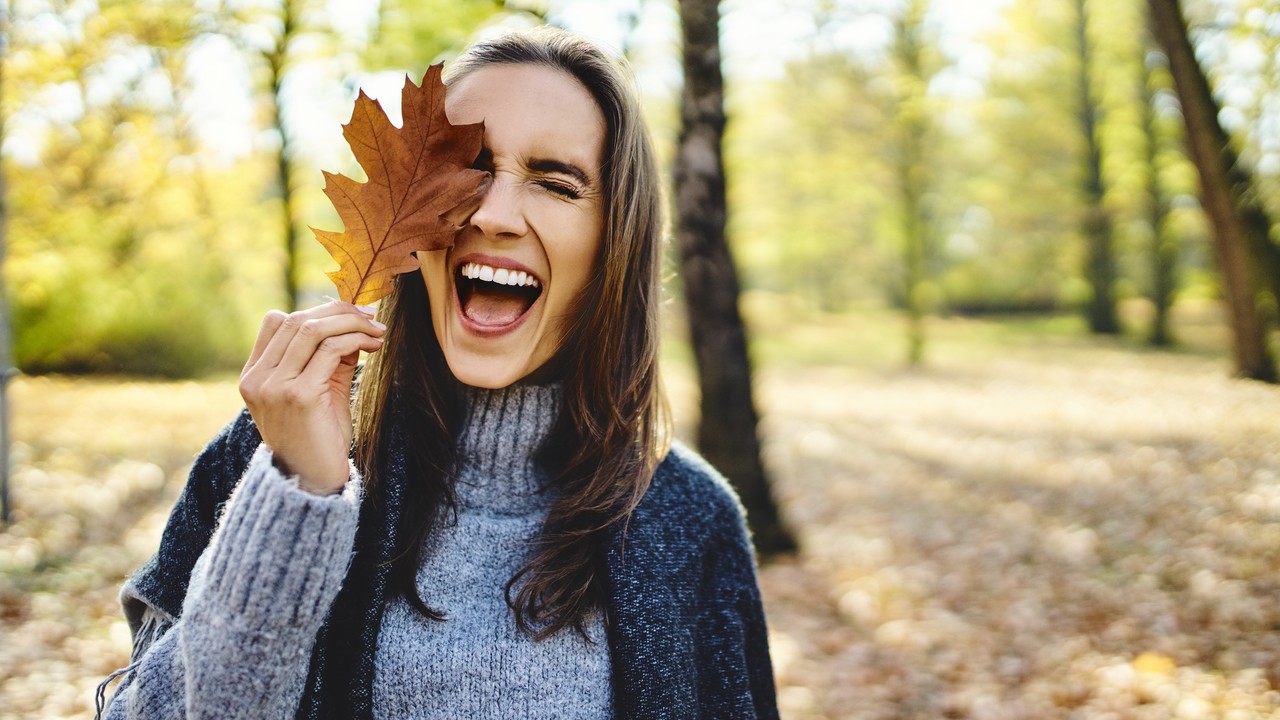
476	664
261	590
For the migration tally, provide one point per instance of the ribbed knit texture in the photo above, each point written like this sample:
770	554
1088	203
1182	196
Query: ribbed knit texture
257	597
476	664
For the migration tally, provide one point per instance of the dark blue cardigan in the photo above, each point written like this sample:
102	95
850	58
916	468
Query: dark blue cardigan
687	630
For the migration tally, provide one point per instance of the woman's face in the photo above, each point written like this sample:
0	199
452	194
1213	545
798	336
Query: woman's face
500	297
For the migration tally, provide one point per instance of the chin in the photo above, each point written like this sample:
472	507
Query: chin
488	373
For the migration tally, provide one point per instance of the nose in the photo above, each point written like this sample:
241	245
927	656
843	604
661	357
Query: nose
500	214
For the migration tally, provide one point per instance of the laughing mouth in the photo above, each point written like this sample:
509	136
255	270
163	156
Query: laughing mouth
495	297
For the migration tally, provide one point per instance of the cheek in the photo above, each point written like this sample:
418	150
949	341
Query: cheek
434	272
576	258
432	268
582	264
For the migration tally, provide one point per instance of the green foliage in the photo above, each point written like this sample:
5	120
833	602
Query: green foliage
132	246
816	182
417	33
806	179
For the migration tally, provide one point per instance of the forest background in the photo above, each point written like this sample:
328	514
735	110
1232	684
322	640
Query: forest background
1044	518
146	144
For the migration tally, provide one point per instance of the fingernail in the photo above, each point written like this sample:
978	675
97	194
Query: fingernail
377	324
366	309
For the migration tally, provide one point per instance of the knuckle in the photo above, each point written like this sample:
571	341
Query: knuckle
273	320
294	395
292	321
250	380
330	345
310	329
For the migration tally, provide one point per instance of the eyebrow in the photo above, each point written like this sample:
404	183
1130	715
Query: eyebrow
562	168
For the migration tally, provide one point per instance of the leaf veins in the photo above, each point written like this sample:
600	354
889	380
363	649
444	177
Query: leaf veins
419	176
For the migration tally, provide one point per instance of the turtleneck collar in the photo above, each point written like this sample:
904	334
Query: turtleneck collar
498	446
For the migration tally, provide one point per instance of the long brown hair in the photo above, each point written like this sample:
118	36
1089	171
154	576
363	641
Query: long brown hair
614	426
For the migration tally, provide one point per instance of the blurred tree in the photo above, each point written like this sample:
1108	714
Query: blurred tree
135	236
1240	223
6	342
1018	159
273	33
277	59
1164	245
912	124
416	33
727	432
815	166
1238	48
103	269
1100	267
809	181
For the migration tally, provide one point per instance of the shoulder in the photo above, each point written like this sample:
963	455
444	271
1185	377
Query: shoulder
162	581
686	490
222	462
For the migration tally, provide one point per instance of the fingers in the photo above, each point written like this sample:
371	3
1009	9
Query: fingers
270	324
332	352
279	331
297	386
326	337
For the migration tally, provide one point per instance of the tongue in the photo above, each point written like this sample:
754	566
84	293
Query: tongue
494	308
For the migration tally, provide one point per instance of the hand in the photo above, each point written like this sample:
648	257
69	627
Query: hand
297	385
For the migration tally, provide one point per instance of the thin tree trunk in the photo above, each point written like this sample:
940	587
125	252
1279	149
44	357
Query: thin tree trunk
727	431
277	60
1164	247
1100	268
912	127
1239	225
6	337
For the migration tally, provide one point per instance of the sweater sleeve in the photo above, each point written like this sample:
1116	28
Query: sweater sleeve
735	677
258	596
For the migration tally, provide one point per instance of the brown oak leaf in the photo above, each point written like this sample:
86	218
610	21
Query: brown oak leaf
421	188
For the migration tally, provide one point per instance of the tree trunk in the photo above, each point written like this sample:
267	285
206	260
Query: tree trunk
277	60
1164	248
1239	225
1100	267
727	431
912	121
6	337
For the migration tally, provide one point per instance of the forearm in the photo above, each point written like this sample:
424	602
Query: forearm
257	598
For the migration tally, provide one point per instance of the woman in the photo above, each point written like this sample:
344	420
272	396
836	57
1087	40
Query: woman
513	535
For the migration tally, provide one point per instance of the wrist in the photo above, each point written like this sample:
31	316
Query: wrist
309	481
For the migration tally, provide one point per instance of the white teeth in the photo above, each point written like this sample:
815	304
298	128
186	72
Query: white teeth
502	276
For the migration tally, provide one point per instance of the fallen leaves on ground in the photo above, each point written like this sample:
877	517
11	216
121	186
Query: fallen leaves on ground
1088	534
96	467
1028	540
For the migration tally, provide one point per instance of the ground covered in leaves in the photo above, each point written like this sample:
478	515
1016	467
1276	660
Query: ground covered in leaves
1060	529
1066	535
